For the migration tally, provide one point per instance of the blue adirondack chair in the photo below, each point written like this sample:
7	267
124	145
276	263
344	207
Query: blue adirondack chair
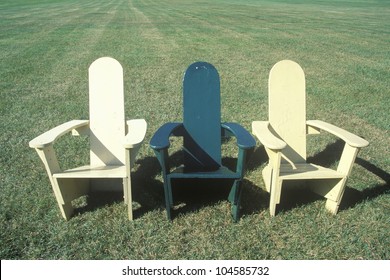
202	133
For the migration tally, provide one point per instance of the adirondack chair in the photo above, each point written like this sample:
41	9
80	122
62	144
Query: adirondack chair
202	133
113	144
284	138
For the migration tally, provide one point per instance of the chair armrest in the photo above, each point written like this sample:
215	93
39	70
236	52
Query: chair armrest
349	138
160	139
262	130
136	133
244	139
50	136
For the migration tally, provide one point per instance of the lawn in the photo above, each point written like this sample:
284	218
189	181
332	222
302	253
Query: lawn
46	48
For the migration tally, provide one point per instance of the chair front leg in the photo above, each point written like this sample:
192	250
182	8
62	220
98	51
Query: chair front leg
235	199
168	197
276	182
336	193
162	156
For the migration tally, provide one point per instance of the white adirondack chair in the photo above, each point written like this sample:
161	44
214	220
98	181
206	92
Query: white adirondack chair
113	143
284	138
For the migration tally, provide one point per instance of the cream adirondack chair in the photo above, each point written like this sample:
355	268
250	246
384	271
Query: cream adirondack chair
284	138
113	144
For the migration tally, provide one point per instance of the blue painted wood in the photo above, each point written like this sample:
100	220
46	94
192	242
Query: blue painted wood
244	139
222	173
202	117
202	133
160	139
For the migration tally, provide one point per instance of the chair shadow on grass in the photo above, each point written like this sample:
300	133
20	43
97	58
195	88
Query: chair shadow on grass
351	195
147	192
255	200
192	195
189	195
295	197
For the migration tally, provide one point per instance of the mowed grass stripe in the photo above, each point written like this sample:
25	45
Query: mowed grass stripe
52	71
36	24
62	48
279	31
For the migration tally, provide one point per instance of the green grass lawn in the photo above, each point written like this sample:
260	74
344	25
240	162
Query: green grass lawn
46	48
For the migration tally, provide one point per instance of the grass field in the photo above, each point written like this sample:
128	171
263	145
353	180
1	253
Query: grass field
46	48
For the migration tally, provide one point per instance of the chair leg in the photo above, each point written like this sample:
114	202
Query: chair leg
66	210
272	180
332	206
63	199
334	196
267	177
67	190
345	166
333	191
168	197
235	198
275	196
65	206
128	197
272	208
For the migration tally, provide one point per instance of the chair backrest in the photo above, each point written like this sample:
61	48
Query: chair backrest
202	117
106	112
287	107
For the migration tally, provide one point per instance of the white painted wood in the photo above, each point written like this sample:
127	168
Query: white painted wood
108	171
49	159
267	177
287	107
112	152
261	129
347	158
106	112
305	171
276	182
348	137
50	136
136	133
284	139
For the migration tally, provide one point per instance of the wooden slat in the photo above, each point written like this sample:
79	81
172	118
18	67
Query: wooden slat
221	173
136	133
50	136
202	116
350	138
262	131
96	172
106	111
307	171
287	107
